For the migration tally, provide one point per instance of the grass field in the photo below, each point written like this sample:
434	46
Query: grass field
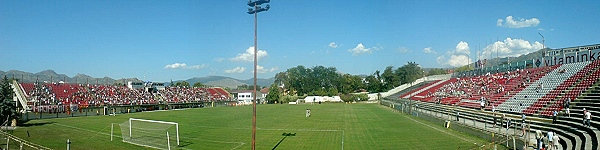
331	126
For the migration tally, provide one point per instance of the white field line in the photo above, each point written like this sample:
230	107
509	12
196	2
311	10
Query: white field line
68	126
242	143
226	142
309	130
305	130
313	130
443	131
142	145
343	134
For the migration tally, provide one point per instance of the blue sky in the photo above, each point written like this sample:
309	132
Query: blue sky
164	40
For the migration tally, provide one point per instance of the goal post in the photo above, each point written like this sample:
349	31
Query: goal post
155	121
150	133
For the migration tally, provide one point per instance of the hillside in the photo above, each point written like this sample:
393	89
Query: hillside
505	60
228	81
51	76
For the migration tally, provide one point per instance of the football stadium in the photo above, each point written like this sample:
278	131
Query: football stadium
484	108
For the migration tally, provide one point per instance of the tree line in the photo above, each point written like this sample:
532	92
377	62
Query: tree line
327	81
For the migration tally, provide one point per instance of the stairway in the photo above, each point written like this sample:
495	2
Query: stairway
20	96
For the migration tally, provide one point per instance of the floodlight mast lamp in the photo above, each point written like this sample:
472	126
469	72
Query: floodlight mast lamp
255	8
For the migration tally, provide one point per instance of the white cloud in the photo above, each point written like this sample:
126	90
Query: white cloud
198	66
403	50
428	50
499	22
360	49
462	48
184	66
261	69
274	69
519	23
510	47
219	59
333	45
236	70
457	57
441	60
248	56
458	60
175	66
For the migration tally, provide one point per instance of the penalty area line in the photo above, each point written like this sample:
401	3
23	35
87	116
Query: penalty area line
309	130
443	131
97	132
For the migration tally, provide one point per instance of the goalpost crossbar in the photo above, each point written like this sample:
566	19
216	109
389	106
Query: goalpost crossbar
153	121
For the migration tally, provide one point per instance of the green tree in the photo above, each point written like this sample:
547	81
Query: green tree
8	108
185	84
354	97
436	71
362	97
464	68
317	80
274	93
347	97
182	84
287	98
331	91
390	79
198	84
410	72
351	83
373	83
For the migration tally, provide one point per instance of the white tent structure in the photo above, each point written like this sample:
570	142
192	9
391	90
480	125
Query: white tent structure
316	99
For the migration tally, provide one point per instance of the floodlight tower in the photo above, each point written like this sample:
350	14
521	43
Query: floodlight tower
543	44
255	8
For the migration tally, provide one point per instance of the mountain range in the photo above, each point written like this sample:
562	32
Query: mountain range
229	82
49	76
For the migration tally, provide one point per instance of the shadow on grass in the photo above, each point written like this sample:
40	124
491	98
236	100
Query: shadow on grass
285	135
184	143
35	124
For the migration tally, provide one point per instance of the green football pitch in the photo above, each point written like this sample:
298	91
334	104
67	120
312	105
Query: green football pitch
331	126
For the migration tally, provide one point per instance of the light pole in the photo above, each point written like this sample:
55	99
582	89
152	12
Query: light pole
543	44
255	8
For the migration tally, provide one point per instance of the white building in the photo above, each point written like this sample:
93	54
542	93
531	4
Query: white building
245	97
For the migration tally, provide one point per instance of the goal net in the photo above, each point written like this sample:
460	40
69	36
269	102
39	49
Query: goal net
150	133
